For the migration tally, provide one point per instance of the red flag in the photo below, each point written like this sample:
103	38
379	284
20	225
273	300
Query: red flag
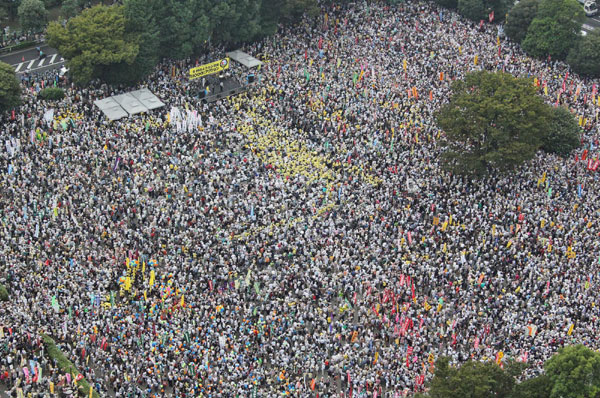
491	16
481	24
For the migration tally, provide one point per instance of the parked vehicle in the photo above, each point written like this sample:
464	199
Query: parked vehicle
590	8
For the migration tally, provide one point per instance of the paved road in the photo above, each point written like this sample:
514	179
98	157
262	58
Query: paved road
28	60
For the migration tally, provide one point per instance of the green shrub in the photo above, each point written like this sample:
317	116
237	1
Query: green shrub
3	293
66	366
52	93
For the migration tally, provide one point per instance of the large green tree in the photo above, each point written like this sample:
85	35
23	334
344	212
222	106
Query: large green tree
574	372
562	135
184	26
473	379
235	21
274	12
480	9
519	18
10	89
33	15
94	41
492	121
584	56
555	29
69	8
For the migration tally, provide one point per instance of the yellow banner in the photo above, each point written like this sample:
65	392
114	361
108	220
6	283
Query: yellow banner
209	69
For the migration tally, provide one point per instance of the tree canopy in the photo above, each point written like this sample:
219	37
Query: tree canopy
584	56
493	121
555	29
10	89
33	15
473	379
574	372
519	18
94	42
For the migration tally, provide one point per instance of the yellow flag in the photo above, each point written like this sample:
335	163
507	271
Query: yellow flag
91	392
51	388
152	276
182	303
476	59
546	90
376	357
404	64
445	225
571	329
494	230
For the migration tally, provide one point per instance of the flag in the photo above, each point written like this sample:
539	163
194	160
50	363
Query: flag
570	331
491	16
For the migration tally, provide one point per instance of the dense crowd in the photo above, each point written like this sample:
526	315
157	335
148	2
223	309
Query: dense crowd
298	239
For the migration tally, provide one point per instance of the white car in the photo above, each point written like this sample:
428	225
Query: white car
590	8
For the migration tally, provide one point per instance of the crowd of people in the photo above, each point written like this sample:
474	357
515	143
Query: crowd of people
301	239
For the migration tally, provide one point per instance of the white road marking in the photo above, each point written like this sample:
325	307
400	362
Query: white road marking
42	62
19	66
52	59
30	64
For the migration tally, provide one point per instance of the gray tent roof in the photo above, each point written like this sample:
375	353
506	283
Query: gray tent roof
128	104
245	59
148	99
111	108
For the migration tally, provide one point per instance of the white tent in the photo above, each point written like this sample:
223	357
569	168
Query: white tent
111	109
148	99
245	59
128	104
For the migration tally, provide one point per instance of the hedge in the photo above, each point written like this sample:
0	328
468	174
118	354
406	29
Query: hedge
3	293
66	366
52	93
20	46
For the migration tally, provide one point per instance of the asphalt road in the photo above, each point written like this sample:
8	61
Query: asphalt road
28	60
591	23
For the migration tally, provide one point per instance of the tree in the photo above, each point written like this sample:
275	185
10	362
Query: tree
472	9
235	21
70	8
33	15
274	12
519	18
184	26
493	121
141	16
563	133
574	372
477	10
555	29
584	56
10	89
93	42
535	387
473	379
